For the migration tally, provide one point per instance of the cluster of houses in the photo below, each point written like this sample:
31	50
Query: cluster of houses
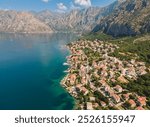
84	79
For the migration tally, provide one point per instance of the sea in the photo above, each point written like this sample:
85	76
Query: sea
31	68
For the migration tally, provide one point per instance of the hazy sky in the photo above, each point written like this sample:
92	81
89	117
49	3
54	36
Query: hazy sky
54	5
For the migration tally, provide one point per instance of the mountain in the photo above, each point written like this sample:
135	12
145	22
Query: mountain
123	17
21	22
131	17
78	20
54	20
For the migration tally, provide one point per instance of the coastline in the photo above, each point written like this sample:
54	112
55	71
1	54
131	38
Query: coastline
64	79
89	82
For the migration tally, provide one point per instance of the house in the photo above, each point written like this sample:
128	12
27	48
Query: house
82	70
142	71
74	58
111	74
103	82
89	106
141	63
139	108
126	96
108	91
132	103
123	71
84	90
78	87
111	104
103	104
93	87
113	80
92	98
107	88
94	64
72	79
141	101
116	98
95	105
118	88
84	80
121	79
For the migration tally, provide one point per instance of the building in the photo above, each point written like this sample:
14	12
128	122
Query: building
122	79
72	79
103	104
132	103
116	98
126	96
118	88
89	106
141	101
139	108
84	90
92	98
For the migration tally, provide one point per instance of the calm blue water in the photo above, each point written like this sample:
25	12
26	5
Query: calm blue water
31	67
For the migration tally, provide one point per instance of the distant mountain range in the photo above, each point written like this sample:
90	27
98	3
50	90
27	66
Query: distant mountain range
123	17
21	22
83	20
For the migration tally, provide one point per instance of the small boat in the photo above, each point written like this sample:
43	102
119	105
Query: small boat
65	64
66	71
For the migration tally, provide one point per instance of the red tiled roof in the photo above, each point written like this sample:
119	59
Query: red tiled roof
139	108
132	102
126	95
142	100
116	97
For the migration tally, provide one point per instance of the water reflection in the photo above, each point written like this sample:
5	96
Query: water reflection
31	67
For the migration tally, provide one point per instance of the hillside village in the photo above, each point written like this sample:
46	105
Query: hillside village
95	76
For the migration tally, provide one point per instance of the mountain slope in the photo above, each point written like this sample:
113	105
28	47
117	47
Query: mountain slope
132	17
22	22
77	20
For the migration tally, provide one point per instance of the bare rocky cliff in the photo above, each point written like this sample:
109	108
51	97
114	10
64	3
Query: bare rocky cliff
21	22
121	18
79	20
132	17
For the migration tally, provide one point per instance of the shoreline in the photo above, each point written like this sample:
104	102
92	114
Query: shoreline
88	82
64	79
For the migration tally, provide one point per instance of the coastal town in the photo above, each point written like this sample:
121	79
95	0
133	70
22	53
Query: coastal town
95	78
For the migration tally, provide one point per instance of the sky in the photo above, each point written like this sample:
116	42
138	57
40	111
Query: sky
54	5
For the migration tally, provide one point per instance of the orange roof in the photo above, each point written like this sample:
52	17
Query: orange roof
78	85
103	82
132	102
116	97
103	103
118	87
126	95
83	89
139	108
122	79
142	100
72	77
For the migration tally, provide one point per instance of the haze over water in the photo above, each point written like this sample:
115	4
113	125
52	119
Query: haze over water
31	68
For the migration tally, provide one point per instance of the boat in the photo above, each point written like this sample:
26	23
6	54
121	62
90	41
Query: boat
65	64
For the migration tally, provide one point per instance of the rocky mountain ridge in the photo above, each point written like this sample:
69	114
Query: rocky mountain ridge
21	22
132	17
77	20
121	18
47	21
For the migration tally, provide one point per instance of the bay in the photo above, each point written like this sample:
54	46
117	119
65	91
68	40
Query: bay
31	68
